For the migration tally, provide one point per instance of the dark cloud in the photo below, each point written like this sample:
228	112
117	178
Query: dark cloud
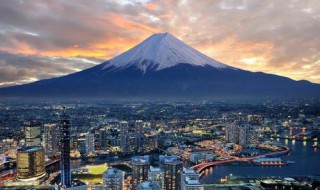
18	68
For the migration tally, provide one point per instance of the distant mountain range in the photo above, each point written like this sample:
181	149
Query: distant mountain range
164	68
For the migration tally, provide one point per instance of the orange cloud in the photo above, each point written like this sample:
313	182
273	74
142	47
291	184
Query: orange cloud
151	7
130	25
102	48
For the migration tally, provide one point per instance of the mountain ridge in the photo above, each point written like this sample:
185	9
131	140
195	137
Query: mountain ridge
136	74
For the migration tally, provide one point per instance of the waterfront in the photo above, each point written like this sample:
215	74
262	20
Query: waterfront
197	143
306	160
305	157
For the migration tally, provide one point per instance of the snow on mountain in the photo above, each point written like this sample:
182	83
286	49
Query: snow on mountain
161	51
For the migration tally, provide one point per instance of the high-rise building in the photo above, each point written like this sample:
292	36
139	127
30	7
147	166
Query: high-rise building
172	168
232	133
140	167
148	185
32	132
240	134
253	137
192	184
156	175
151	142
81	145
124	127
190	180
124	137
51	139
89	143
113	179
30	163
132	143
103	138
189	173
65	151
139	136
244	134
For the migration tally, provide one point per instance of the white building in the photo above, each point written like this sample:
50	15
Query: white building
190	180
192	184
89	143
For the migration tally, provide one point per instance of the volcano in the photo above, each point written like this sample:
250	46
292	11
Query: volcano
164	68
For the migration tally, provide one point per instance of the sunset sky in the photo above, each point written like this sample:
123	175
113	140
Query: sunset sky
45	39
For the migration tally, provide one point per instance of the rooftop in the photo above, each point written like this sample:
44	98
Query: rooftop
190	181
140	159
148	185
29	148
189	171
154	169
112	173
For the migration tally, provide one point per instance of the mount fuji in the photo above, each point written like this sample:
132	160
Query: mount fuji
164	68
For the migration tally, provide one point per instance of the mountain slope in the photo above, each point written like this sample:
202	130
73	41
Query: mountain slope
161	51
163	67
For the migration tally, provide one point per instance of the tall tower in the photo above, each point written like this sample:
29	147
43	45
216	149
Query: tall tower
65	150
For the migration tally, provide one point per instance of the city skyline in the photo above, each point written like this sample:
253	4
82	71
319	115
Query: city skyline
269	36
159	94
160	146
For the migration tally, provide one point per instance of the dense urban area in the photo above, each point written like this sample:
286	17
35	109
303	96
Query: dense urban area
157	145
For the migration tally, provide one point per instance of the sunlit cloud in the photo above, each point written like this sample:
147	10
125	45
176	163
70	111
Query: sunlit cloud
44	39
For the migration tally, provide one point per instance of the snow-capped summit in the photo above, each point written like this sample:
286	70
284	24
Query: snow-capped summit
161	51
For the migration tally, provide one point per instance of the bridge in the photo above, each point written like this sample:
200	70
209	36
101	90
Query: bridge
202	166
303	131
